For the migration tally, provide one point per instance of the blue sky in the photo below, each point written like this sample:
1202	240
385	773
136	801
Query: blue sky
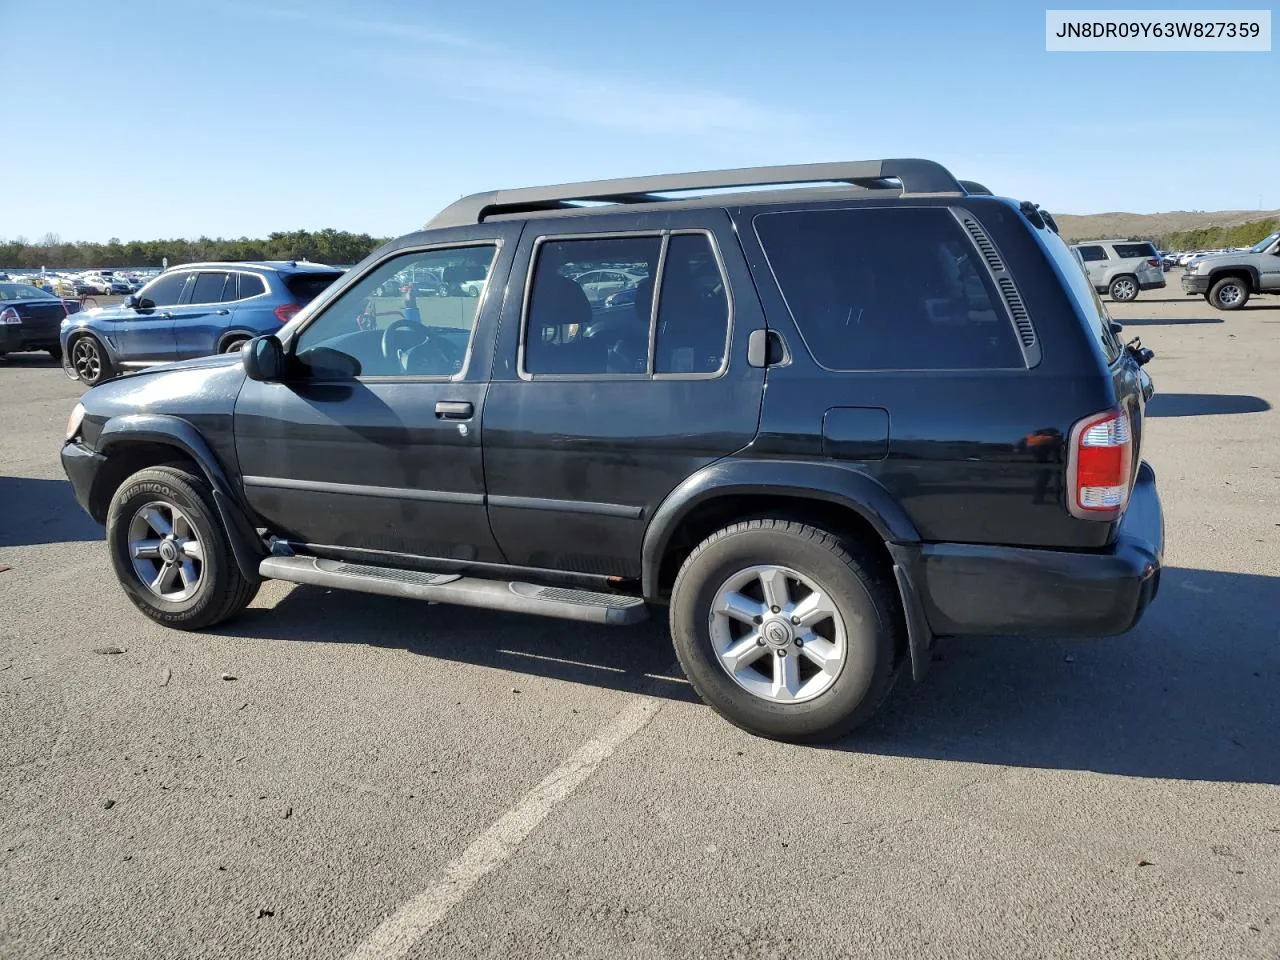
183	118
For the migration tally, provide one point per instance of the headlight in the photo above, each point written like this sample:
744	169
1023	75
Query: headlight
74	421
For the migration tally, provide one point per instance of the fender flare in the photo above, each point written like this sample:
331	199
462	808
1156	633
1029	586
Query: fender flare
175	432
1255	278
830	482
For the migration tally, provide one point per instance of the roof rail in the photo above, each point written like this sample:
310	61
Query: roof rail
916	176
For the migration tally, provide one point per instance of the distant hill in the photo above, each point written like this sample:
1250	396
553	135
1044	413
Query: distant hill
1154	226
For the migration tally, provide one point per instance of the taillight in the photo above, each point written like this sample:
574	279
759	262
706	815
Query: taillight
9	315
1154	263
286	311
1100	466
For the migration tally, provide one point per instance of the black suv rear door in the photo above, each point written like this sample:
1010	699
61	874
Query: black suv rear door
596	411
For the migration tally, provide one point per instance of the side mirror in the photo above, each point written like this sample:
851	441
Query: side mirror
130	301
263	359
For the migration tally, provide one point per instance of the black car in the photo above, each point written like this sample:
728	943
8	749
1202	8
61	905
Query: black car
836	423
30	319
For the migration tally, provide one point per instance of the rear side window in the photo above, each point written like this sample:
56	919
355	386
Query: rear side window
888	289
229	290
1081	291
693	309
251	285
305	287
209	288
1090	254
1129	251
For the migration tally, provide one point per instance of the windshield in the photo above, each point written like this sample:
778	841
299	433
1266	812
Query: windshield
22	291
1262	245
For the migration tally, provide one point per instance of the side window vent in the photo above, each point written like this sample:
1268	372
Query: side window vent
985	246
1021	319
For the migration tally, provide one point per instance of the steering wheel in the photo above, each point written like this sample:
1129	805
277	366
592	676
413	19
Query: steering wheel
401	335
434	357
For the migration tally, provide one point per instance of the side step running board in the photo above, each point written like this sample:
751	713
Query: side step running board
583	605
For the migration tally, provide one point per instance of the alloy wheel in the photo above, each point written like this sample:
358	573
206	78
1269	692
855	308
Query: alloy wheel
778	634
86	360
166	551
1228	295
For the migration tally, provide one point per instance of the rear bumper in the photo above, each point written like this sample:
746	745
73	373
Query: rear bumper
1194	283
15	338
1151	284
974	589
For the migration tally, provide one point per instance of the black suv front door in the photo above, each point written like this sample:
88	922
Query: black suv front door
600	406
388	460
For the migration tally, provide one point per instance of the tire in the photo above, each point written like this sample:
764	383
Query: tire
233	344
217	589
55	352
89	360
1123	289
867	616
1229	293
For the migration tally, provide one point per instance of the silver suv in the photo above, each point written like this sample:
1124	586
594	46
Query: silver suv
1227	279
1120	268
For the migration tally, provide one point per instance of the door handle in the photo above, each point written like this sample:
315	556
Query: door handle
454	409
221	312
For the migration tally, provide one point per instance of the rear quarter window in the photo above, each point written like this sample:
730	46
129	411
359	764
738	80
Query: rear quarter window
1129	251
888	289
305	287
1080	289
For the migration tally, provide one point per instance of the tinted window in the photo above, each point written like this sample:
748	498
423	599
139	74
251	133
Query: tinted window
569	327
888	289
398	329
229	289
208	288
693	309
305	287
1128	251
1090	254
1081	291
251	285
165	290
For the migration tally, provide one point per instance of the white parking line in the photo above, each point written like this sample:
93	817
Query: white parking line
396	935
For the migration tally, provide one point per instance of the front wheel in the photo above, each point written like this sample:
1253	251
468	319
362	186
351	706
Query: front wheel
170	551
89	360
786	630
1123	289
1229	293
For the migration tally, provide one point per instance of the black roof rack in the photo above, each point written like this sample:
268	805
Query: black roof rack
917	177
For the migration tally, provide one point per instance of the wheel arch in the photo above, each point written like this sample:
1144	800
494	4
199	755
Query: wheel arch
135	441
235	333
1245	271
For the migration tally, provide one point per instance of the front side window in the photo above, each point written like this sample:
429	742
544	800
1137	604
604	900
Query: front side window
1091	254
393	326
888	289
164	291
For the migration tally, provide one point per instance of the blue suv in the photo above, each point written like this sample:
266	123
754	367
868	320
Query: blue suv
190	311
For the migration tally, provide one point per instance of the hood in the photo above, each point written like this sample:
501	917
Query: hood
1216	258
199	363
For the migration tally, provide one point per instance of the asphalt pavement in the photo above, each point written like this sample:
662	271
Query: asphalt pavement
338	775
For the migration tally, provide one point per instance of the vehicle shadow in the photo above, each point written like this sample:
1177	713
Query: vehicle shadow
32	359
1170	322
1189	694
42	511
1203	404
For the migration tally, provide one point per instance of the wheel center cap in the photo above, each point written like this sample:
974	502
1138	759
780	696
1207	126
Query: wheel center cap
777	633
168	552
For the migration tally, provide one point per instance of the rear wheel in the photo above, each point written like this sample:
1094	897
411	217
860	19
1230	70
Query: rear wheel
233	344
89	360
786	630
1229	293
170	551
1123	289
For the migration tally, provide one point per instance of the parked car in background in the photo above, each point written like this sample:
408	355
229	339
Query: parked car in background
190	311
1122	268
1227	280
599	284
30	318
949	442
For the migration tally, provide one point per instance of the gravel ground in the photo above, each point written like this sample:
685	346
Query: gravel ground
504	786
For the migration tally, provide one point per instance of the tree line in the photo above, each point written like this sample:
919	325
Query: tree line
1212	238
322	246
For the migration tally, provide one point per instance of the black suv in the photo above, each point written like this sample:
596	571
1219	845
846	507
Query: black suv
827	425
